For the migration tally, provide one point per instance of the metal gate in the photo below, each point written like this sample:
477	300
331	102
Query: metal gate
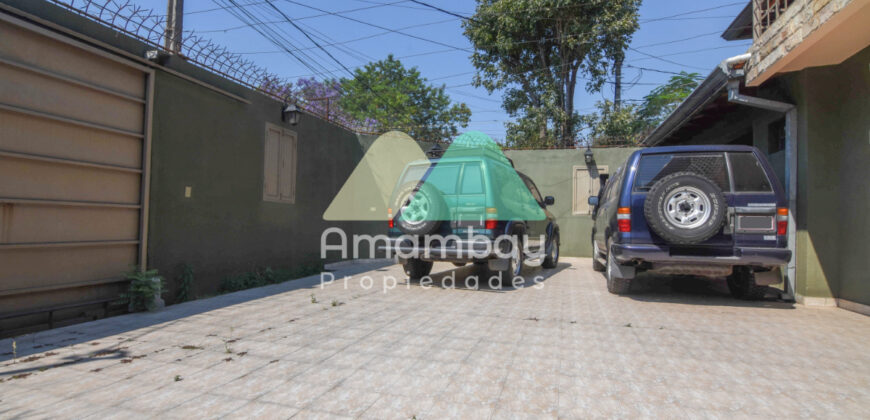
74	159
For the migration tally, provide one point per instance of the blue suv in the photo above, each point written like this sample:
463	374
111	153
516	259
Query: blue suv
712	211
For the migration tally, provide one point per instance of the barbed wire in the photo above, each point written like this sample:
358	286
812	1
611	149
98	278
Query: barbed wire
150	28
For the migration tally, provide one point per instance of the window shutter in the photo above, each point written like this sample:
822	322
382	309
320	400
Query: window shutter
271	164
287	169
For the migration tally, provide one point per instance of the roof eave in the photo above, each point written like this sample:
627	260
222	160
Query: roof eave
706	92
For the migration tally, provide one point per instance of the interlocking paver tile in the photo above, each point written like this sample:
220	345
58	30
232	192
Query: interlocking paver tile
567	350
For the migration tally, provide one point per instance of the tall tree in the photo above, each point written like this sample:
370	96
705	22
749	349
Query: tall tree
400	98
630	123
537	49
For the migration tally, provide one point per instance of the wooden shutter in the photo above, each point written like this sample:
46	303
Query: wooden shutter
287	168
271	164
585	185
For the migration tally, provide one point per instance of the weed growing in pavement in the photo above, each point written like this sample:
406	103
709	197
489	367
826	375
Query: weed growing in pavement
15	351
335	302
178	378
313	298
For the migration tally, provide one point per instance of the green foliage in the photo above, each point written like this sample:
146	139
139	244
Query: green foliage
629	123
399	98
663	100
267	276
536	50
185	283
143	288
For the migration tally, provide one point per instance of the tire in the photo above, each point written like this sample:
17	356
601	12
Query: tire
416	268
596	265
459	264
552	258
419	209
515	264
685	208
615	285
741	284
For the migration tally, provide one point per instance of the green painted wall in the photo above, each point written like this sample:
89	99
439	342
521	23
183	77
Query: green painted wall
215	145
833	196
552	171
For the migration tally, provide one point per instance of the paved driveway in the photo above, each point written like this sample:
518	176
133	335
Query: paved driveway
568	349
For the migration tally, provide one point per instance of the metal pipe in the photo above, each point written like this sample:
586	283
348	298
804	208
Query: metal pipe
790	112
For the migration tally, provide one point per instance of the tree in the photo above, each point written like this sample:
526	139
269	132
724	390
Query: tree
399	98
630	123
537	49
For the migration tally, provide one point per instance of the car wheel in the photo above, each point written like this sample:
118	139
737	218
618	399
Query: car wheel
515	263
615	285
416	268
419	209
596	254
685	208
741	284
552	258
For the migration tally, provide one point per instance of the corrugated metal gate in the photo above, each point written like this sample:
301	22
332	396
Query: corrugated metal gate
74	147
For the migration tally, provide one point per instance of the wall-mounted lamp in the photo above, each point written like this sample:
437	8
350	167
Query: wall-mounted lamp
588	154
157	56
290	114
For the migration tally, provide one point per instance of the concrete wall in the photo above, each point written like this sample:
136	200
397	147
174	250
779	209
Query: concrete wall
215	145
552	171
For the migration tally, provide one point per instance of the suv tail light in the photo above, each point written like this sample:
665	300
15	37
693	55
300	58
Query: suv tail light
623	219
491	218
782	221
391	223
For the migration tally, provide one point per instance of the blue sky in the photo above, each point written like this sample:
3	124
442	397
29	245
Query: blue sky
688	42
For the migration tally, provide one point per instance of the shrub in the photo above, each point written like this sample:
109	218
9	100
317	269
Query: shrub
143	289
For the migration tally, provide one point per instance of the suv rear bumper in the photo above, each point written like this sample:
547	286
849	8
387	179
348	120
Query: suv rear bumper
764	257
461	250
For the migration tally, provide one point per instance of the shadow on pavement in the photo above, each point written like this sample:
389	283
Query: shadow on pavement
463	278
48	340
693	290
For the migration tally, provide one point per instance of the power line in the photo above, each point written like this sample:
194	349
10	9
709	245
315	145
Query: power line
691	12
377	26
442	10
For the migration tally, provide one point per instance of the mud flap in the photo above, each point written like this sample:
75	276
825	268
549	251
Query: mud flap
498	264
767	278
621	271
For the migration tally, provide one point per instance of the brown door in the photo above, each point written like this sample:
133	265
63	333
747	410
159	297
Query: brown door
73	146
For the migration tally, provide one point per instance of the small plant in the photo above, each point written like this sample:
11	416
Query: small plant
15	351
145	288
189	347
334	302
185	283
178	378
313	298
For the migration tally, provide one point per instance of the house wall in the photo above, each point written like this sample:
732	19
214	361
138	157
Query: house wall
553	171
833	197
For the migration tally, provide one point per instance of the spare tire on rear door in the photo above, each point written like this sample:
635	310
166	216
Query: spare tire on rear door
685	208
420	208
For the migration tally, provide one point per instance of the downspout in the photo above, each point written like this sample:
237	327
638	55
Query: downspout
734	68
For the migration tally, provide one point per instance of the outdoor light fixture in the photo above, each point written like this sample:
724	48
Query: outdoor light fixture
588	154
157	56
290	114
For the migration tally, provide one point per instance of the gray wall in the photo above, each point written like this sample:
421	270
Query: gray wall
552	171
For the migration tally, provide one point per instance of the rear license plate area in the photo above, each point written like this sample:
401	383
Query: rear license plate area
756	223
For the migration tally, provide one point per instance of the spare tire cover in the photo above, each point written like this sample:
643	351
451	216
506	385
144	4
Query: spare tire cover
419	208
685	208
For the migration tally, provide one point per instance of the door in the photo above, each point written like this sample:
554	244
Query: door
471	198
74	139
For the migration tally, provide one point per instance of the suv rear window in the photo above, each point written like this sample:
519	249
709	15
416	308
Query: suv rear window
655	167
749	176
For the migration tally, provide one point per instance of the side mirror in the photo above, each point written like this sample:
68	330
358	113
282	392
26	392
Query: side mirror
549	200
593	201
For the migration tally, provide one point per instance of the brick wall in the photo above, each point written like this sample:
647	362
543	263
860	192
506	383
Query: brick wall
800	20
